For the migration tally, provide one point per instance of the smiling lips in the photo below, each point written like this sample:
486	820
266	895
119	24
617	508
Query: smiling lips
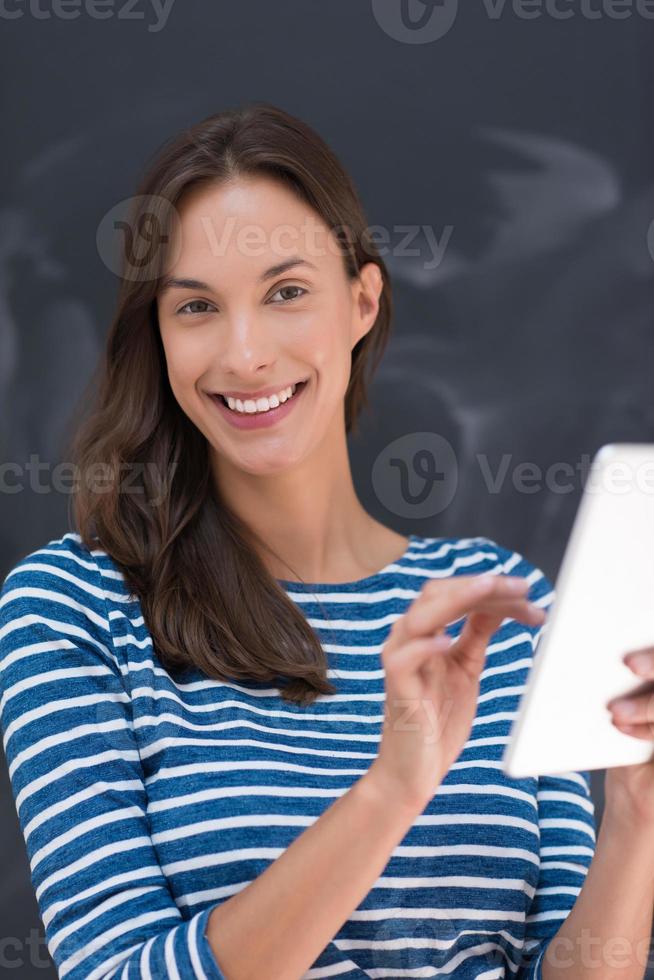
261	404
254	396
255	418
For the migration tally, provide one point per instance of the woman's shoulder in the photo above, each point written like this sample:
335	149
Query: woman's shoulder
512	561
60	558
475	555
470	552
63	579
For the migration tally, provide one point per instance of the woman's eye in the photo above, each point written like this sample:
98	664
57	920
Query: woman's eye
288	298
282	291
193	302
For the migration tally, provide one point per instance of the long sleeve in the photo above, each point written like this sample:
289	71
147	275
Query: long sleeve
566	818
567	844
78	783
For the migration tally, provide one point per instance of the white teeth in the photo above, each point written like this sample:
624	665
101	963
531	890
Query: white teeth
250	407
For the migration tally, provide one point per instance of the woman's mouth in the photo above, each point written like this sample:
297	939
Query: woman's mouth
258	419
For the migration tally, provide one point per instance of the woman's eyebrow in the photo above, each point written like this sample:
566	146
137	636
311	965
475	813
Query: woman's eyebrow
171	282
276	270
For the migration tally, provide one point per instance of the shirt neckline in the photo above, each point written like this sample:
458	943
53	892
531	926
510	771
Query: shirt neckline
356	584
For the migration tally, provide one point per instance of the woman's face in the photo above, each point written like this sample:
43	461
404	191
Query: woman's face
244	326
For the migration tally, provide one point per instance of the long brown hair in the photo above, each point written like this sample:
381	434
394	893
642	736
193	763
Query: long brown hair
207	599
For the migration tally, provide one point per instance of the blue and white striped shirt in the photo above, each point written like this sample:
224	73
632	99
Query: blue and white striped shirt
145	801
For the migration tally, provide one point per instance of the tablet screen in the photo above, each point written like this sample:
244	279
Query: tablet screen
603	608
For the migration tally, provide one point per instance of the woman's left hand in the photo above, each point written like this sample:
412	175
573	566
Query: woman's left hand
633	785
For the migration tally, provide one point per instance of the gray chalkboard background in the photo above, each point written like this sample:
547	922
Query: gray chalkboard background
518	143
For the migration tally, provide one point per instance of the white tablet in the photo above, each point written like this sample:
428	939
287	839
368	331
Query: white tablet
603	608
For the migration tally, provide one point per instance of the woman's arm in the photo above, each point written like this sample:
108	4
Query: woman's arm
78	782
81	799
295	907
607	933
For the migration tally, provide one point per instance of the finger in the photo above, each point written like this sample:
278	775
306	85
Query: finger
639	731
481	620
520	609
443	601
641	661
470	647
642	706
411	656
527	613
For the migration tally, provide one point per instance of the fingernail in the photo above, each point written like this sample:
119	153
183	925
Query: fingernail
641	664
517	584
624	708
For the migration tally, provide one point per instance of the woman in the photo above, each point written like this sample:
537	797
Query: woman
251	731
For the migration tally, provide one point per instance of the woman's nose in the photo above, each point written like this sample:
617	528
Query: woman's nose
245	345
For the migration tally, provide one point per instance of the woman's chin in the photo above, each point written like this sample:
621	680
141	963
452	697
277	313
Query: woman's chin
263	462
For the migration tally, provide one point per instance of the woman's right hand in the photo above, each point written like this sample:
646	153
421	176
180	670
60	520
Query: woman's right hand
432	682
